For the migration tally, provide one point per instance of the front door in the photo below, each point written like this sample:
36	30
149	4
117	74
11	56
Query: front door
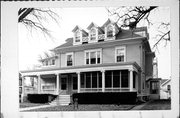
64	85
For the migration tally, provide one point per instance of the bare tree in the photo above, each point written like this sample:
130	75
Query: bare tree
33	18
131	16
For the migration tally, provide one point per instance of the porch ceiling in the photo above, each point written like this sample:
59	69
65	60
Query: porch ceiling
84	68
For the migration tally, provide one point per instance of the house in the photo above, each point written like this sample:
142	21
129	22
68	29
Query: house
99	59
165	89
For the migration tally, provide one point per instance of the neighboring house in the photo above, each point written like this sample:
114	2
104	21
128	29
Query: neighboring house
102	59
165	91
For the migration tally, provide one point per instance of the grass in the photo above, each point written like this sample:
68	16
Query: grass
92	107
27	104
158	105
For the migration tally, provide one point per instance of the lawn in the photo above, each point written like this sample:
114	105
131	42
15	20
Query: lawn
92	107
158	105
27	104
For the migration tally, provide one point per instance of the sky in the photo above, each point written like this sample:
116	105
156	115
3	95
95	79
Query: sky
32	44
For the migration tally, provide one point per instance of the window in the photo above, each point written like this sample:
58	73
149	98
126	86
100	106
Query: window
93	34
53	62
91	80
69	59
120	54
109	31
154	87
77	36
116	79
46	63
124	79
93	57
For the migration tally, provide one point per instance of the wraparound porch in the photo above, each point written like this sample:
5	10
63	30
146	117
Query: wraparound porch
114	78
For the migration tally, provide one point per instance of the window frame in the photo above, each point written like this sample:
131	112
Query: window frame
75	36
72	54
117	48
111	30
89	55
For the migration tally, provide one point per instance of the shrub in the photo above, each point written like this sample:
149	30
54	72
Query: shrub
41	98
106	98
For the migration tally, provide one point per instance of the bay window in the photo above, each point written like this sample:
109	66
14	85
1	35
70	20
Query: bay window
93	57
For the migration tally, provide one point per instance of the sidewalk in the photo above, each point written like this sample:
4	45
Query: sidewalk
36	107
138	107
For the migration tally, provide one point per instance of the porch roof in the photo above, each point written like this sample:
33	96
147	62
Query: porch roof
83	68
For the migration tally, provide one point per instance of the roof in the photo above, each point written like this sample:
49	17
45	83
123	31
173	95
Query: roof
122	34
164	81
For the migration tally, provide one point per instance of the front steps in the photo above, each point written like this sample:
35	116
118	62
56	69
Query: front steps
61	100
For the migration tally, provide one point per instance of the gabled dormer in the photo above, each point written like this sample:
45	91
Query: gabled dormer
94	32
111	29
78	35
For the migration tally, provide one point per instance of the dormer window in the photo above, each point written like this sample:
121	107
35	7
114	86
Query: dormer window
109	31
93	35
77	37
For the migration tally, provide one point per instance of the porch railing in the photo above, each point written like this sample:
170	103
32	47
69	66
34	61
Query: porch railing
30	89
106	90
50	88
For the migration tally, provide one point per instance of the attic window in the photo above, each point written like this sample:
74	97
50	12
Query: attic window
109	31
77	36
93	34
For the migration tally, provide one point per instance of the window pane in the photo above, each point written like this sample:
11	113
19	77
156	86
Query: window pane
93	34
74	83
94	79
108	79
98	57
77	36
100	79
93	57
124	78
120	55
116	78
69	60
88	80
82	80
109	31
134	80
87	57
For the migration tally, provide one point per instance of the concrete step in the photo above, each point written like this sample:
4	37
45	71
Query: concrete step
61	100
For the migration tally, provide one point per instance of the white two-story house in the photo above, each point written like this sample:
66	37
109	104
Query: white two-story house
97	59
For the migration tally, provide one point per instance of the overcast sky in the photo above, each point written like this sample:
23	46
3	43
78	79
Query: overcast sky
31	45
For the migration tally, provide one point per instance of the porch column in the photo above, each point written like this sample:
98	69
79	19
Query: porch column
103	80
22	88
57	83
78	78
131	80
39	83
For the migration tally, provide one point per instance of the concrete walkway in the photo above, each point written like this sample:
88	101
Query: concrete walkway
138	107
36	107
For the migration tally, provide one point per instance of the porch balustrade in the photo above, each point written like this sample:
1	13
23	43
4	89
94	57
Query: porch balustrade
106	90
30	89
48	89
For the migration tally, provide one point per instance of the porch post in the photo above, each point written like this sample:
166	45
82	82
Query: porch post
57	83
39	83
22	88
78	78
103	80
131	80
